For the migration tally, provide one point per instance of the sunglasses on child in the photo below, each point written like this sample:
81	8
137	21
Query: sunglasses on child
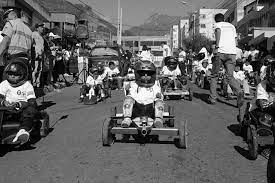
13	73
148	73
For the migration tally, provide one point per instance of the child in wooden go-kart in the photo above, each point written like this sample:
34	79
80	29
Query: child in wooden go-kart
144	97
173	73
266	94
18	93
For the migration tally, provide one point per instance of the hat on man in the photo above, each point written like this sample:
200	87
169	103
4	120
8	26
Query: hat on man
39	25
11	9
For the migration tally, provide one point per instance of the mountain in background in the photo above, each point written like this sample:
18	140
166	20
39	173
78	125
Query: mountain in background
155	25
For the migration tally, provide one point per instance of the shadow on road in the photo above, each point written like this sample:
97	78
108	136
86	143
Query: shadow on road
201	96
144	141
227	102
57	121
46	104
242	151
234	128
9	148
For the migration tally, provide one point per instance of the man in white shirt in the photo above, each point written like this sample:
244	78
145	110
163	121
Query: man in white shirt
39	50
247	67
1	59
112	71
226	54
182	60
166	50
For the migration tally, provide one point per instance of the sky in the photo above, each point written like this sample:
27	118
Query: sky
135	12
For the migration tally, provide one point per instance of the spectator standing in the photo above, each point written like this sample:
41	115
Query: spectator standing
166	50
38	42
1	60
253	58
182	61
145	54
226	54
239	55
17	36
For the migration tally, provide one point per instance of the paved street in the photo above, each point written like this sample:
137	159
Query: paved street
73	152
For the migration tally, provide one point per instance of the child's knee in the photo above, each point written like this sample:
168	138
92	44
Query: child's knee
29	112
128	102
159	104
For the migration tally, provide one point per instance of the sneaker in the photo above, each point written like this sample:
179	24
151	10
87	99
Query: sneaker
158	123
126	122
22	136
240	99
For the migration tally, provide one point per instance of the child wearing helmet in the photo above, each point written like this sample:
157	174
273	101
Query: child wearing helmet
266	91
101	79
112	73
18	93
172	70
144	98
90	84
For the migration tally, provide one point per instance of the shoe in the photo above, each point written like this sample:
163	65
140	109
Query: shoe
211	101
22	136
126	122
240	99
158	123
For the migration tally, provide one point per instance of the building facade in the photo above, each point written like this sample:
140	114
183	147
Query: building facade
31	10
258	25
202	22
235	9
175	37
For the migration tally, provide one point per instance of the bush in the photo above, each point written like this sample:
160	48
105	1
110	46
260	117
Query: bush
197	42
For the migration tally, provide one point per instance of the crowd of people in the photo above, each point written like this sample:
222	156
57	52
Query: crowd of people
46	61
44	52
28	60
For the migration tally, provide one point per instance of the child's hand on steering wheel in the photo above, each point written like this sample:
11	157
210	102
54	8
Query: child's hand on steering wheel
6	104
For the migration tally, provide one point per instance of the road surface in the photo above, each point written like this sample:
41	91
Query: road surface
73	151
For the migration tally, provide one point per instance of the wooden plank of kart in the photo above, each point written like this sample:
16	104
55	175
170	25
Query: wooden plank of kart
112	126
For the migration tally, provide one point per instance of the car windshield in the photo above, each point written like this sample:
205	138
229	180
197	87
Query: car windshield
104	52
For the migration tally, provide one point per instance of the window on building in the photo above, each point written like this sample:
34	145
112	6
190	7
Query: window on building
203	26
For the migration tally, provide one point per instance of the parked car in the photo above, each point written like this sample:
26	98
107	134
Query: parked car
106	54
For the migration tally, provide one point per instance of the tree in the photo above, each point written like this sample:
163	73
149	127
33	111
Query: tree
197	42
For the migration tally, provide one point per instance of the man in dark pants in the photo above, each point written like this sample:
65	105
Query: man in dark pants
225	54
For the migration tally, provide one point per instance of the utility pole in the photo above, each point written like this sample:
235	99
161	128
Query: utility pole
120	26
118	23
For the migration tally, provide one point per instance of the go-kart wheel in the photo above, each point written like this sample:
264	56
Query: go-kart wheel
45	124
190	96
171	122
107	137
271	166
252	142
183	135
109	92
